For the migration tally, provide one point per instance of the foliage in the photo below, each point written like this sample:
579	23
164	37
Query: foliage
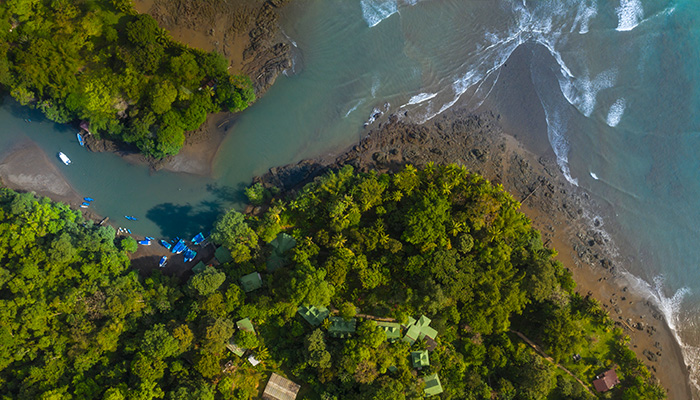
440	242
103	63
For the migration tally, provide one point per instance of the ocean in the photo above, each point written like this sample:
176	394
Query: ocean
615	88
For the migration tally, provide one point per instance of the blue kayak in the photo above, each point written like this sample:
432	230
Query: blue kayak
190	255
130	218
88	199
86	204
145	242
165	244
162	262
198	239
80	139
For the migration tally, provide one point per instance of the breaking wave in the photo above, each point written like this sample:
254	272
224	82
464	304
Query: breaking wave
615	113
376	11
629	14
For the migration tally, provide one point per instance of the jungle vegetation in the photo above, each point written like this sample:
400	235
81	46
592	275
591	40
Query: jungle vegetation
76	323
101	62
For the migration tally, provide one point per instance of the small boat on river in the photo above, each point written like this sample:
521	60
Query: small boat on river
190	255
86	204
179	247
198	239
165	244
163	261
80	139
64	158
88	199
130	218
145	242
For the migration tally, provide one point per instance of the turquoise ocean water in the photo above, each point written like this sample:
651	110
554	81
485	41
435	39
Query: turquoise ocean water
617	83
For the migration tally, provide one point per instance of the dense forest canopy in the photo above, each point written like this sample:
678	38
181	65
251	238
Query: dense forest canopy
100	62
359	286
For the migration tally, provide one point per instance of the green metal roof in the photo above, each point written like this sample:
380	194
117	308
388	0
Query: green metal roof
283	243
391	329
432	385
411	334
245	325
420	359
199	267
419	329
341	328
235	349
251	282
223	255
313	315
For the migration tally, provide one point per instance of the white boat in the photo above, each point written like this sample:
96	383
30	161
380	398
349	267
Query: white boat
64	158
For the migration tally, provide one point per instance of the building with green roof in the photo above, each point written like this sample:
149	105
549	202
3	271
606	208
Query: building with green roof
341	328
199	267
223	255
251	282
246	325
231	345
280	245
391	329
420	359
313	315
432	385
419	330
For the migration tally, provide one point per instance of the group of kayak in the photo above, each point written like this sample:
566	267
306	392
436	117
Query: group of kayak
86	202
179	246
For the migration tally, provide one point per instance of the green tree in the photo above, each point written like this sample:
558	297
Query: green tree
232	231
207	281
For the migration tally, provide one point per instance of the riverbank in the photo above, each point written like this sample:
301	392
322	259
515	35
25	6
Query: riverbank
559	210
247	34
27	168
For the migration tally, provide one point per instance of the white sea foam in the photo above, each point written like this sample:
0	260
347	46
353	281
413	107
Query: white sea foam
353	108
615	113
585	14
420	98
555	133
629	14
593	175
583	91
376	82
376	11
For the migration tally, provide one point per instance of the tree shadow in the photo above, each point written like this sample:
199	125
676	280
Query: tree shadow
185	220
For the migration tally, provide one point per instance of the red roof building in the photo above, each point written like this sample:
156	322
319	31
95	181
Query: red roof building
606	381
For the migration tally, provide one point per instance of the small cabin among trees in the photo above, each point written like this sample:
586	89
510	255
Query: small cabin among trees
606	381
432	385
313	315
280	388
251	282
341	328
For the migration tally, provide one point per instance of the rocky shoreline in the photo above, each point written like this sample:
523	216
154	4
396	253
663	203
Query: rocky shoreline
561	211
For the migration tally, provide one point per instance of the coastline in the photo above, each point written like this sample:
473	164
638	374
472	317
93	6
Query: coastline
557	209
